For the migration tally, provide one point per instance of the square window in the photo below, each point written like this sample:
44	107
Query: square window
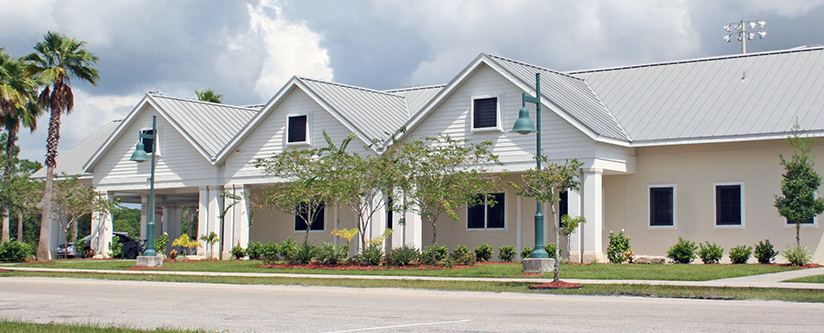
563	206
487	215
485	113
301	216
297	129
148	141
661	206
728	205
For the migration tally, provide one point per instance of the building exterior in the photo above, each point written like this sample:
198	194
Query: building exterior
684	148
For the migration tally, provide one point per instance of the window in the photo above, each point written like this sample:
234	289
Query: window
808	222
147	142
389	213
662	206
487	215
297	129
485	113
729	204
563	206
301	217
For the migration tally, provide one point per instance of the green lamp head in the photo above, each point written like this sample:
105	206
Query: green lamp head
139	154
524	125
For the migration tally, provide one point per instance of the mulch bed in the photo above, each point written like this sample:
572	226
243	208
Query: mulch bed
359	267
556	285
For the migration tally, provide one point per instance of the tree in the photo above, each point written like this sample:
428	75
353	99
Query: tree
55	61
21	193
17	105
209	95
798	202
304	188
74	200
441	175
545	185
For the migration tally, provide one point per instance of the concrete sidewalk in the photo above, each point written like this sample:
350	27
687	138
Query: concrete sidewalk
773	280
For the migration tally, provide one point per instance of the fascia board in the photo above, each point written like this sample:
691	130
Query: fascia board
723	139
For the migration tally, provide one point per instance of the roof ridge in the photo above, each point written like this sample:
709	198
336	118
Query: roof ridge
704	59
533	66
182	99
432	86
348	86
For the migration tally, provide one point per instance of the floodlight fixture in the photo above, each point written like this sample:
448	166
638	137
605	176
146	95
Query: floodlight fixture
744	30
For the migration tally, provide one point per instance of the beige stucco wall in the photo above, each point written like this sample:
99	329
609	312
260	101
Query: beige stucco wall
694	169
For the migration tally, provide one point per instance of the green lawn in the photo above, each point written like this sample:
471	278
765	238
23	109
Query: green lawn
507	270
21	327
809	279
493	286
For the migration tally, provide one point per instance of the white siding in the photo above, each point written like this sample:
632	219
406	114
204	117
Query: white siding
179	164
268	138
560	140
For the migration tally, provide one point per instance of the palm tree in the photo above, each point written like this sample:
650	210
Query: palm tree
17	105
55	61
209	95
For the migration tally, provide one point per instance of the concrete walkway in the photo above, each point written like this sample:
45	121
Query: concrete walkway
772	280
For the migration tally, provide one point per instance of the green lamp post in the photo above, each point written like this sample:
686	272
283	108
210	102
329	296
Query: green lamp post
524	125
140	156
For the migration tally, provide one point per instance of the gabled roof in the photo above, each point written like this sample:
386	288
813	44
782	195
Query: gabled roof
73	160
738	97
369	113
568	96
208	127
417	97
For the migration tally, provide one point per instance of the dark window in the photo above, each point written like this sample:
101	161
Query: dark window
728	205
297	129
301	217
147	142
486	215
563	206
485	112
805	222
661	206
389	215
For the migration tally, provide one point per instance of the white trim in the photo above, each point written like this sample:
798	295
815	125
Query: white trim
674	225
715	224
308	139
498	114
486	216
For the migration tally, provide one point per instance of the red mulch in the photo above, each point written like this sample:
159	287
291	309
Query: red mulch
140	268
359	267
556	285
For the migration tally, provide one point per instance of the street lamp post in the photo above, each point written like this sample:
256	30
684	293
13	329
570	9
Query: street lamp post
524	125
140	156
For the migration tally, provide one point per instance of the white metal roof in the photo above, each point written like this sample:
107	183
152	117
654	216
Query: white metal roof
747	96
417	97
73	160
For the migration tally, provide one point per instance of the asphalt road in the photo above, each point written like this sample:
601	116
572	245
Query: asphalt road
248	308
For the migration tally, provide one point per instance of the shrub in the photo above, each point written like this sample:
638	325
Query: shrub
798	256
80	246
483	252
682	252
526	252
238	252
550	249
159	243
740	254
618	247
329	254
506	253
116	247
269	252
764	252
402	256
371	255
254	250
302	255
440	253
287	248
711	253
11	251
462	256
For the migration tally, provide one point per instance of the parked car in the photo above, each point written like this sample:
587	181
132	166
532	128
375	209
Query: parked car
131	247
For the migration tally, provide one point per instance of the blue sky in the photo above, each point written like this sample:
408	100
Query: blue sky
247	50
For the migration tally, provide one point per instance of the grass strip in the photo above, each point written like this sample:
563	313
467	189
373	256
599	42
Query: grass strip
809	279
13	326
504	270
793	295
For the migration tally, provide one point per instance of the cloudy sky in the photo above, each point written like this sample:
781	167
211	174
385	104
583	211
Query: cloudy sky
247	50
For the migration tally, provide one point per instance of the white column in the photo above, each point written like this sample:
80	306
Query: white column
202	217
593	205
241	216
173	218
378	223
101	230
210	208
574	253
413	230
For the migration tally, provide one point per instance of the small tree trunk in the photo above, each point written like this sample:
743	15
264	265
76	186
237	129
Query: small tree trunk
20	226
434	241
5	237
557	268
798	234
